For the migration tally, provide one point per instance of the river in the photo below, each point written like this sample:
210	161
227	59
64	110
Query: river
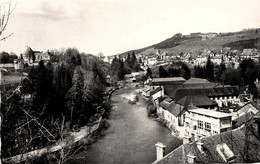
131	137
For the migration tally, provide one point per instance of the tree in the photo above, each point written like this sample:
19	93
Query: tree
136	66
199	72
4	57
162	72
209	70
6	11
185	71
230	77
4	19
149	72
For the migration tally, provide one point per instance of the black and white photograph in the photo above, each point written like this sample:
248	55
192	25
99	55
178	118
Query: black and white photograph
129	81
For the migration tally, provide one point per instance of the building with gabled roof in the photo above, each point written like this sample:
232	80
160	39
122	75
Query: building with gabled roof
241	145
168	111
30	56
167	81
222	95
203	122
249	107
200	101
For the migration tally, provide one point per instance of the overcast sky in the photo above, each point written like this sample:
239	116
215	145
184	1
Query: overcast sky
115	26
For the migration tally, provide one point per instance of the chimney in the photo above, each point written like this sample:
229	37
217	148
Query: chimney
200	146
256	125
186	139
191	158
160	150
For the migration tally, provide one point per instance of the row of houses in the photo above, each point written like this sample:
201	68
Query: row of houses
194	110
177	100
227	56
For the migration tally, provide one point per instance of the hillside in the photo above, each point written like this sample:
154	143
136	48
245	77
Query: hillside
199	41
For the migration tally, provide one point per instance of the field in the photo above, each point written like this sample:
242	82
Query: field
11	79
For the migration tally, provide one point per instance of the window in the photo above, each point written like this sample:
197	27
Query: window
200	124
215	132
207	126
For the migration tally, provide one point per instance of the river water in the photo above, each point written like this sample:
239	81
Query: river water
131	137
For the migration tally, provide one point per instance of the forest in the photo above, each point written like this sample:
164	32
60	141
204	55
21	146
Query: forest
53	100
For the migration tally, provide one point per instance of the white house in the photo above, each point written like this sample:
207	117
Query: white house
172	113
247	108
156	94
203	122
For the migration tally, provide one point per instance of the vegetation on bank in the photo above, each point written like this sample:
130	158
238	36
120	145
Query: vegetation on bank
52	101
244	75
120	67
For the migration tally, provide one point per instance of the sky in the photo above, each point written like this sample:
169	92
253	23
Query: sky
116	26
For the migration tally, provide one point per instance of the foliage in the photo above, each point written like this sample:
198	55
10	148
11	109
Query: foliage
118	69
209	68
243	44
68	92
162	72
149	72
185	71
230	77
6	58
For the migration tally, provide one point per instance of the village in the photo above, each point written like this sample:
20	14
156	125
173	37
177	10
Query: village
196	111
172	82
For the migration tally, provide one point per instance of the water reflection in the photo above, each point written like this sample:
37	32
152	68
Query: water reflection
130	137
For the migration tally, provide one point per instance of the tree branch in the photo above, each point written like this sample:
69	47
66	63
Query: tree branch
37	122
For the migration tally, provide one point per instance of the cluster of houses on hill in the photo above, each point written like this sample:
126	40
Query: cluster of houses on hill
196	109
227	56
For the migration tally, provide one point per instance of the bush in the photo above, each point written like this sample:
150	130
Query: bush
151	110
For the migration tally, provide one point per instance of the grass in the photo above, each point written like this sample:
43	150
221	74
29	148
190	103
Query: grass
11	79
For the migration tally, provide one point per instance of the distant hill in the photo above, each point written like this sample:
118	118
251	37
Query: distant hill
198	41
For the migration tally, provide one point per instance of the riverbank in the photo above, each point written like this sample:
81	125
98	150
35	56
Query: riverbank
73	138
131	136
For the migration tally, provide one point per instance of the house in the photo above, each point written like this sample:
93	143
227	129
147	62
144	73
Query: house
155	94
201	60
200	101
217	60
146	93
222	95
173	115
247	108
108	59
203	122
251	53
197	83
30	57
151	61
241	145
166	81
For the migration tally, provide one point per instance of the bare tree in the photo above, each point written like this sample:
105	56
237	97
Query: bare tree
6	10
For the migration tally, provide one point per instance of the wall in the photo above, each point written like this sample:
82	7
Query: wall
191	120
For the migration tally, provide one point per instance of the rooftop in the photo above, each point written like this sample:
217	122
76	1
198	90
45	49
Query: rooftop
234	141
168	80
196	81
210	92
155	91
197	100
211	113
